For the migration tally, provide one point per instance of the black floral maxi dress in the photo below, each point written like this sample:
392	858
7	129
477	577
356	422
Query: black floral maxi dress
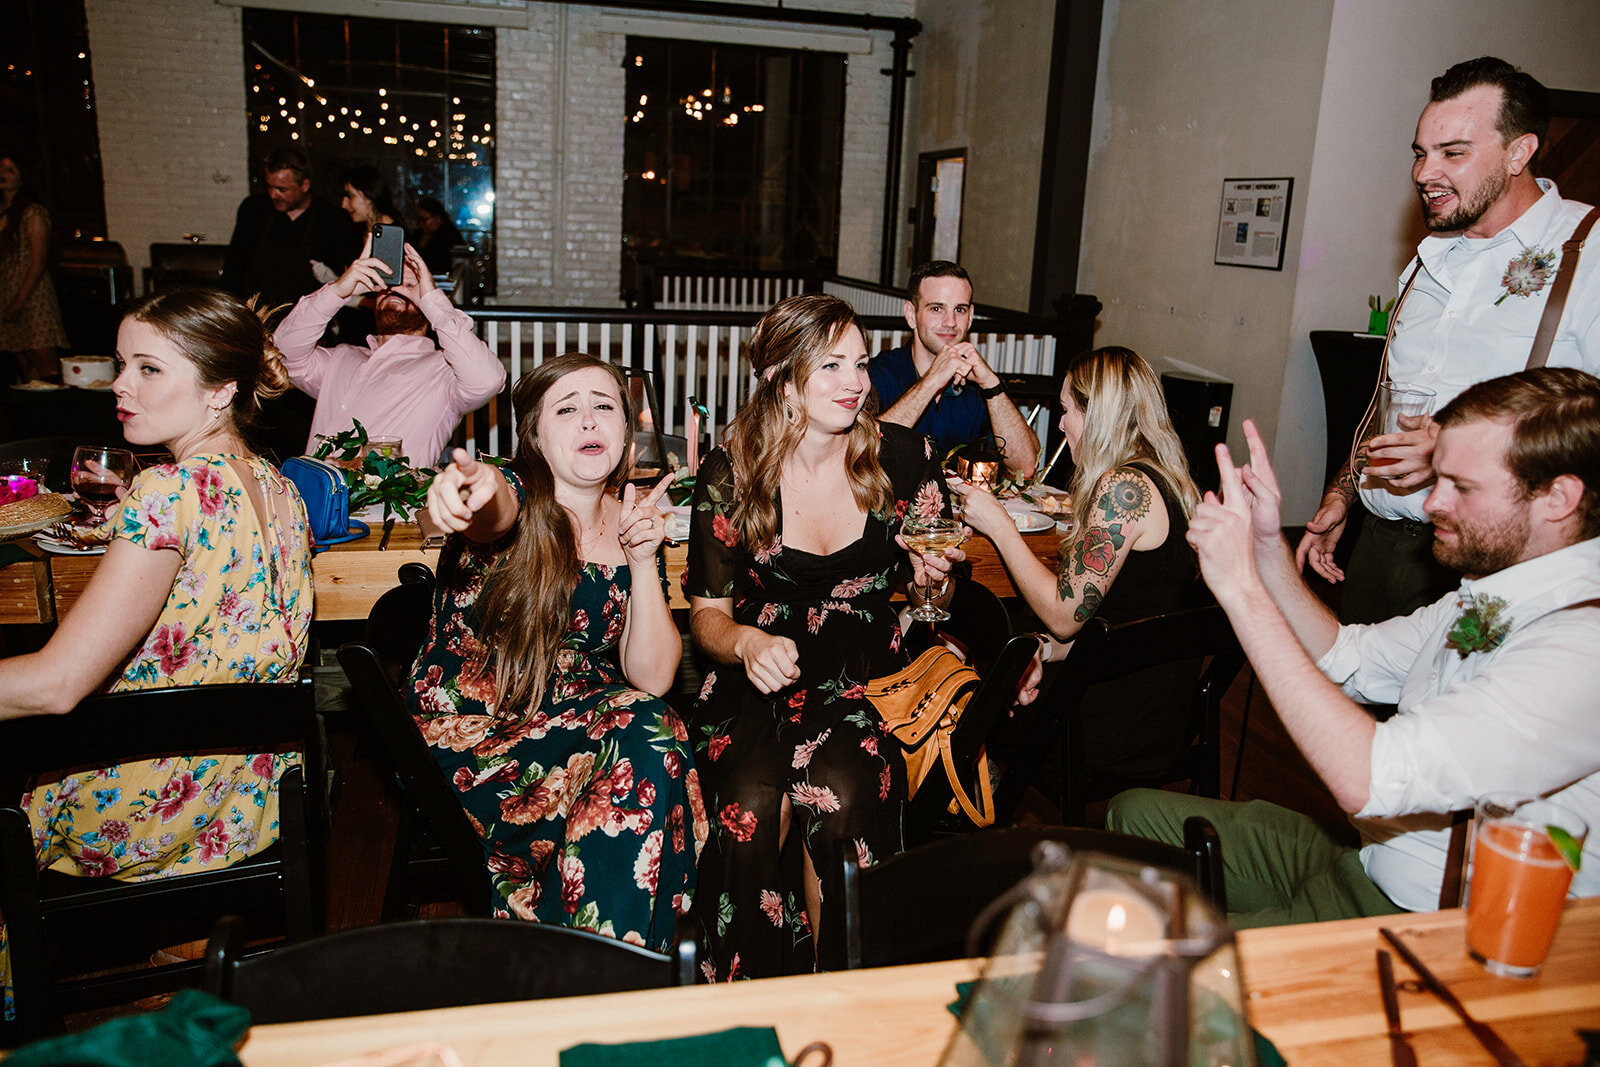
818	741
589	806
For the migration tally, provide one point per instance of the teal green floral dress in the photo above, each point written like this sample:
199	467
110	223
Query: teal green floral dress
589	805
239	611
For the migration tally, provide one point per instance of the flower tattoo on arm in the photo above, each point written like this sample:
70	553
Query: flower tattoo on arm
1125	497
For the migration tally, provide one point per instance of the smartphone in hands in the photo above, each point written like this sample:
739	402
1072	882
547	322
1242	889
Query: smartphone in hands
388	244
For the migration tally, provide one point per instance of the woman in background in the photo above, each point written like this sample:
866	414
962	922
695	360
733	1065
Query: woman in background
539	686
792	562
1126	558
367	198
435	235
206	580
30	318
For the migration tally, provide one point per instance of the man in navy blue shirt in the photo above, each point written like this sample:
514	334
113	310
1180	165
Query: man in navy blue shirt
939	384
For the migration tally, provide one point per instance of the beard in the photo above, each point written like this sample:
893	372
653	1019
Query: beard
1483	549
1470	205
399	316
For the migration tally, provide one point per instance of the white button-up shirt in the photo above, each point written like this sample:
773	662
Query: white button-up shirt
1523	717
1452	333
404	387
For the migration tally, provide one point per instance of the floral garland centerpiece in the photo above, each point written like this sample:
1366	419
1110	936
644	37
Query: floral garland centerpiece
374	477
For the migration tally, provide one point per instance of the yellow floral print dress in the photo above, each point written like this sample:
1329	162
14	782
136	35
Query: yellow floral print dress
239	611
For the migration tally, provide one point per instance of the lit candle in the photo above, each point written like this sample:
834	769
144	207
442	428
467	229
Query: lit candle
1118	922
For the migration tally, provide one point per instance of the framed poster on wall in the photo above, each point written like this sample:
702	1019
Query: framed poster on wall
1253	222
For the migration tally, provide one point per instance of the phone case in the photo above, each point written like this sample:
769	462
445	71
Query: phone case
388	244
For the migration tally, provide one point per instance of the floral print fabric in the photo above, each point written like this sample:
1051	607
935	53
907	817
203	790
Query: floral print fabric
239	611
818	742
588	806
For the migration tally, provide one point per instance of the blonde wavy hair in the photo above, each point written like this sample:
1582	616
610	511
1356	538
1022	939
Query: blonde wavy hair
1124	420
526	604
793	339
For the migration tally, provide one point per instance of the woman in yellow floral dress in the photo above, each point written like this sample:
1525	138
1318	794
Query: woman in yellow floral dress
206	580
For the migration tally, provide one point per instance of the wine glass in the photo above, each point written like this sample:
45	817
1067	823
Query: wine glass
931	536
97	474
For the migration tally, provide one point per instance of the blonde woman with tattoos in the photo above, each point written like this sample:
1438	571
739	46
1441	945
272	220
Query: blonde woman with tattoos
1126	558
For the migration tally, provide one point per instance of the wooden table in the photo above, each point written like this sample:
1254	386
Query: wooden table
351	576
1311	989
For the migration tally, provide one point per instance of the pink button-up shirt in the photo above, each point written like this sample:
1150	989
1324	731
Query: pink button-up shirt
404	387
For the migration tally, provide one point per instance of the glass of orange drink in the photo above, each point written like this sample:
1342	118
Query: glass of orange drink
1524	852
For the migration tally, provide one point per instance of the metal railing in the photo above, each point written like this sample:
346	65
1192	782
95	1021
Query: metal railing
698	354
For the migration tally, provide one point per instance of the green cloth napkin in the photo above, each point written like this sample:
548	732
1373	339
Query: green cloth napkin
1267	1054
741	1046
195	1030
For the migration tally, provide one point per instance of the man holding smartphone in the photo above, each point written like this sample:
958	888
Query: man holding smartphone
400	384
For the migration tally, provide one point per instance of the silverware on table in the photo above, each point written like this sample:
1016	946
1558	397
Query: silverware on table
1400	1052
388	528
1482	1031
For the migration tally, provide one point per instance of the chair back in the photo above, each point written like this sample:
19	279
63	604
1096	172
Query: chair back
432	963
1103	652
376	667
920	905
59	924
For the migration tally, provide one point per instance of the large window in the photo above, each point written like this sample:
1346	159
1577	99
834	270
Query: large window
414	99
732	156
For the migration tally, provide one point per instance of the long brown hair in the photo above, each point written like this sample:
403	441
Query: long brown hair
526	605
1124	420
791	341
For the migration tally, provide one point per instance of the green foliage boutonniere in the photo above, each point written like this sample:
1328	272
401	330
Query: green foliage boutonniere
1528	273
1480	627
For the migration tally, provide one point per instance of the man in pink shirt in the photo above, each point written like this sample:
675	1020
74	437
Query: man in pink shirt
402	385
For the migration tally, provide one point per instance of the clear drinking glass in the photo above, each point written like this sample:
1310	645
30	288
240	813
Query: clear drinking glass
1393	402
97	474
1519	880
931	537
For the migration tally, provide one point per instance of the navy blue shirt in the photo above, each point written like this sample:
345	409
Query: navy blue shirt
950	418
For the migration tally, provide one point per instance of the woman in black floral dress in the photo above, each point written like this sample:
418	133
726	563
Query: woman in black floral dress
792	561
538	687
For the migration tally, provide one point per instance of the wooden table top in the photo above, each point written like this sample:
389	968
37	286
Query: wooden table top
350	577
1311	989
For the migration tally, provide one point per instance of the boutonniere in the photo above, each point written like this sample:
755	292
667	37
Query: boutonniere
1528	273
1480	626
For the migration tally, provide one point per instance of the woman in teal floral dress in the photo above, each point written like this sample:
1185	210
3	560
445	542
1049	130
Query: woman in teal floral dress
792	562
538	687
206	580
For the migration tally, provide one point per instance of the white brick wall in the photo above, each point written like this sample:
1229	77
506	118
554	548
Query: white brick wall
169	84
169	77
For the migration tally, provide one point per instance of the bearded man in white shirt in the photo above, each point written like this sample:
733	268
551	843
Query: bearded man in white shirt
1517	510
1481	283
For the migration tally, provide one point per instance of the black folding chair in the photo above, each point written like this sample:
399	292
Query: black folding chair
1104	652
437	854
919	906
60	926
433	963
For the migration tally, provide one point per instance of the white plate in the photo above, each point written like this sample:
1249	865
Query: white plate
37	387
95	388
1032	521
64	548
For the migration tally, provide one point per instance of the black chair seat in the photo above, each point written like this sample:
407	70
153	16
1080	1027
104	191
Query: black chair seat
433	963
919	906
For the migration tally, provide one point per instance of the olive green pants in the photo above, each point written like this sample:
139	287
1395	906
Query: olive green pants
1279	866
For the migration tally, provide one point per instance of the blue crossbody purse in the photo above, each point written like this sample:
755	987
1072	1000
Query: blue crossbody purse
327	498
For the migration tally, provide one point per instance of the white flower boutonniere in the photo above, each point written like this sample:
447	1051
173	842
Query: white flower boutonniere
1528	273
1480	627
